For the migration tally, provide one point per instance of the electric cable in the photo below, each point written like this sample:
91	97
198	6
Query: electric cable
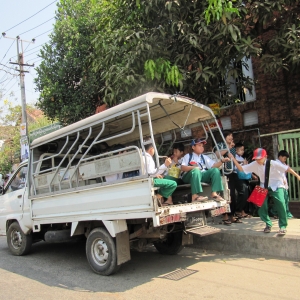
7	51
31	16
8	90
43	33
36	26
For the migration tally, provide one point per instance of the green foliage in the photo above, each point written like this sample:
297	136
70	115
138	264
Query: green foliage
69	88
162	69
219	9
10	153
111	51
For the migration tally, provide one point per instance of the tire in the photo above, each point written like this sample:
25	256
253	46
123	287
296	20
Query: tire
101	252
18	242
172	245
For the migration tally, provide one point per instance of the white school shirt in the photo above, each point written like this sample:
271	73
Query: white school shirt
276	171
206	164
148	159
284	179
240	160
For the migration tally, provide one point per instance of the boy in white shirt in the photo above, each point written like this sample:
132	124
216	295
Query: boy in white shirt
166	186
275	188
283	155
200	168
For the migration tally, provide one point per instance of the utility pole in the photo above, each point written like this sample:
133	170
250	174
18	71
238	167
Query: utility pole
24	136
22	75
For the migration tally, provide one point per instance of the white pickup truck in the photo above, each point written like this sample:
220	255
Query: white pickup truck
61	192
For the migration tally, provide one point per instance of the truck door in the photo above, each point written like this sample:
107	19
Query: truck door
12	198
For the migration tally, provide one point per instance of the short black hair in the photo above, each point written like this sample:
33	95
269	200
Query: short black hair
226	133
239	145
179	146
148	146
283	153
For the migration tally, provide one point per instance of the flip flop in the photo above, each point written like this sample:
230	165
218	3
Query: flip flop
218	198
200	199
237	221
167	204
226	222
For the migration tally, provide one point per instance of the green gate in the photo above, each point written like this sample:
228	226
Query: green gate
291	143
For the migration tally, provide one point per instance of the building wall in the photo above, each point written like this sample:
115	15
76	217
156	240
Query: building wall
277	104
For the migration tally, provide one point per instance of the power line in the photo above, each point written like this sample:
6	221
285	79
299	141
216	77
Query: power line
32	53
36	26
7	51
42	33
28	50
31	16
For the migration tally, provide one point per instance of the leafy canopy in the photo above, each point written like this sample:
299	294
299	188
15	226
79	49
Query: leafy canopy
111	51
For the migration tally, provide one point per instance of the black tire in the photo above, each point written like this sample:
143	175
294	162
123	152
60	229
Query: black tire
18	242
172	245
101	252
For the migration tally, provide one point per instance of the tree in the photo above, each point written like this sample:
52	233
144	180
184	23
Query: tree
10	133
176	32
114	51
69	88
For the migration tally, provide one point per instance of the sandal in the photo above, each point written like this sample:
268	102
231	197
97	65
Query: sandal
282	231
218	198
267	229
200	199
237	220
226	222
167	204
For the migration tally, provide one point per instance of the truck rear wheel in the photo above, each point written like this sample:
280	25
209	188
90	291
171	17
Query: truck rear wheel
171	245
101	252
18	242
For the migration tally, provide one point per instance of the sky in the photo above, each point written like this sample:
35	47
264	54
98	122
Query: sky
37	17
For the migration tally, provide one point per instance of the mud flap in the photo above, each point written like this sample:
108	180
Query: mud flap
203	230
123	247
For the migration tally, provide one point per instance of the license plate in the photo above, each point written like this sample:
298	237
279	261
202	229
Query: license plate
218	211
171	219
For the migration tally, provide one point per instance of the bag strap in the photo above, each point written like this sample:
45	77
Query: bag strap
267	173
190	158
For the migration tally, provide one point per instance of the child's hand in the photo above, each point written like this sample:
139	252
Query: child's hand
226	159
168	161
229	156
245	162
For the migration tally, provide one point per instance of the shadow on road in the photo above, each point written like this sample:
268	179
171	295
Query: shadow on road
65	265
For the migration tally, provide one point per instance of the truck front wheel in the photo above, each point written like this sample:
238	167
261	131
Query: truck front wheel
171	245
18	242
101	252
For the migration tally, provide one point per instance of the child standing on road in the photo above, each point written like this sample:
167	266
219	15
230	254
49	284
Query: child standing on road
275	189
283	155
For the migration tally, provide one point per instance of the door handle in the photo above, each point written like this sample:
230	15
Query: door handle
20	196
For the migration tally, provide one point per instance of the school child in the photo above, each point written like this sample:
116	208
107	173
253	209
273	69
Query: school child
275	186
283	155
200	168
174	170
241	182
166	186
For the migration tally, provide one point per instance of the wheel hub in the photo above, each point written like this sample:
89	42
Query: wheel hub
100	252
16	239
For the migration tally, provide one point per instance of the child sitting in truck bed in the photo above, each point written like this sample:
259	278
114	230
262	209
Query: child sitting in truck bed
174	170
166	186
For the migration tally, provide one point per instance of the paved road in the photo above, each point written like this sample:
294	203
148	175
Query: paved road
61	271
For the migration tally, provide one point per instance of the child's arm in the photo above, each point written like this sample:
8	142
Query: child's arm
238	166
291	171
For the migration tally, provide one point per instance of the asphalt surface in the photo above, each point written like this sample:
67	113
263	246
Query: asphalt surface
61	271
